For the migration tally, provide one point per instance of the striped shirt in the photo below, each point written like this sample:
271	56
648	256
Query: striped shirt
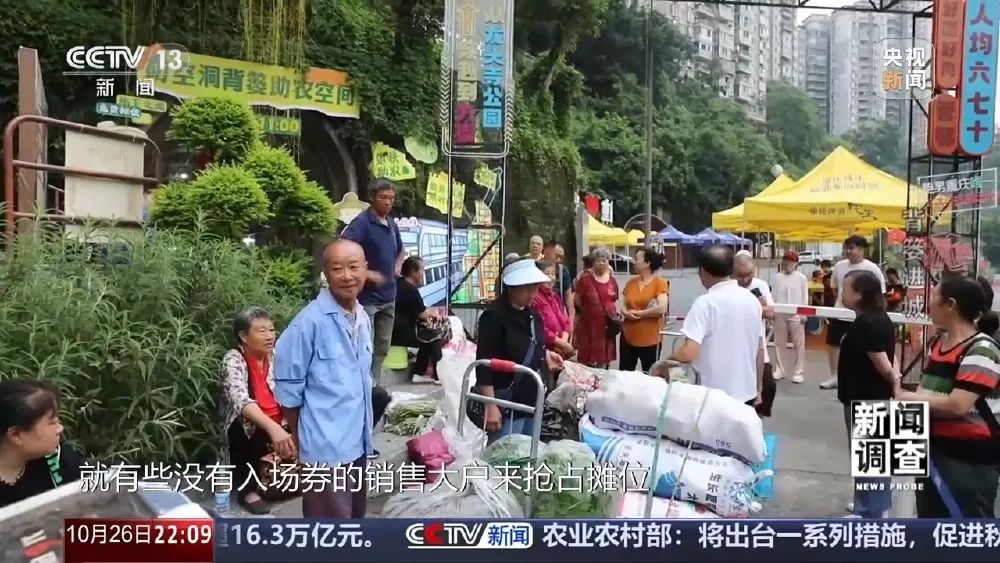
974	366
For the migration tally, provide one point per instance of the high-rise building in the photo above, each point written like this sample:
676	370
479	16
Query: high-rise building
740	48
752	34
854	69
902	26
814	46
783	65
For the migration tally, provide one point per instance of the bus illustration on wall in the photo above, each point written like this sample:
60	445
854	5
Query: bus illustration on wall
429	241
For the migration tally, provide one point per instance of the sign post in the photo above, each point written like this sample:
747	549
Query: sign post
477	91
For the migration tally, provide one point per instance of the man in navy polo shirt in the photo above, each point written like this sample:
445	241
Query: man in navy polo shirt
378	235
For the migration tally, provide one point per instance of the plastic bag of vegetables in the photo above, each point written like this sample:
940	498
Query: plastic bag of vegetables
408	418
511	450
564	486
475	498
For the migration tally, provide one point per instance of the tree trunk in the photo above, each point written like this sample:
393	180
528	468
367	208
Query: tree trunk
350	171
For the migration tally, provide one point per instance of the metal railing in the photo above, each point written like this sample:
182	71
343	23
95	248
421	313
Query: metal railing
13	209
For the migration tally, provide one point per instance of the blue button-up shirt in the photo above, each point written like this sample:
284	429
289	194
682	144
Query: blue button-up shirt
322	366
382	244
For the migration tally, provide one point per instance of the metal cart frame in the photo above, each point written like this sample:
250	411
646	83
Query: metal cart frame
506	366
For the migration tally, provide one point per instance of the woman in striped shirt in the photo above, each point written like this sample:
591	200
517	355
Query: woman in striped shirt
961	384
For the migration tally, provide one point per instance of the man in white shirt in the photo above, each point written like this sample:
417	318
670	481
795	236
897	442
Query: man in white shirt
855	247
744	272
790	287
722	331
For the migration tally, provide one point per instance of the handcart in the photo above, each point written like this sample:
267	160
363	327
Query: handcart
672	330
662	369
507	366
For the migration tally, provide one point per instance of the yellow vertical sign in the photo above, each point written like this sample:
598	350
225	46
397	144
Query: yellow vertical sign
437	194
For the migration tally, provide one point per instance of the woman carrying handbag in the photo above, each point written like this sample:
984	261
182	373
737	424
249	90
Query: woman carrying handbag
596	297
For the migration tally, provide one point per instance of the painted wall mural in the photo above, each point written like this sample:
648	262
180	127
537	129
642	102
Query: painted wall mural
428	239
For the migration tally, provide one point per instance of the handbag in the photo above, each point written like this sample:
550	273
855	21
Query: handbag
476	410
612	326
433	329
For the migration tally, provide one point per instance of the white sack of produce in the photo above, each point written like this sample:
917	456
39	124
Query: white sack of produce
576	381
726	426
633	505
723	484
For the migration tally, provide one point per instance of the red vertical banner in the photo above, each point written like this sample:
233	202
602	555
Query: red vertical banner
943	125
948	31
593	204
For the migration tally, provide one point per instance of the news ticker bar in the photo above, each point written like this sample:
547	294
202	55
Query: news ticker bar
252	540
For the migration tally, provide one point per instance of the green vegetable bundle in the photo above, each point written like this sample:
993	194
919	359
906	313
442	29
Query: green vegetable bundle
408	418
568	458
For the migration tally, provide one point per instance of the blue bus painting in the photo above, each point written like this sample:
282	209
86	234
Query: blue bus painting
429	240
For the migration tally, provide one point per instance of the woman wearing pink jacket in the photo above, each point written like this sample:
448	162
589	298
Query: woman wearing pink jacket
549	305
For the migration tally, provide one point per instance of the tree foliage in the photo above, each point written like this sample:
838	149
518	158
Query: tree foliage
223	128
226	199
878	142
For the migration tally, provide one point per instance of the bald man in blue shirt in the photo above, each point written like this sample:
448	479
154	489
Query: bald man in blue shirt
322	380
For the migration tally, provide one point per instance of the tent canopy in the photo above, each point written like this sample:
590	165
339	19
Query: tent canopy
709	236
599	233
671	234
842	192
730	238
733	219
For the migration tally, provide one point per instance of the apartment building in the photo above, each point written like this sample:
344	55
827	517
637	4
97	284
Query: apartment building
898	111
814	72
854	69
740	47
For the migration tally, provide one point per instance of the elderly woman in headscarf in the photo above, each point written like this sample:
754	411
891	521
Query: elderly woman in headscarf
251	418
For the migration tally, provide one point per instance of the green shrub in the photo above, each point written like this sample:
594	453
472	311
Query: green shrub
227	129
287	270
306	212
136	347
228	198
275	170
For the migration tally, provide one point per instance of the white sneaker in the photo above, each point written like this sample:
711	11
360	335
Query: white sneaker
797	378
850	507
422	379
829	383
777	375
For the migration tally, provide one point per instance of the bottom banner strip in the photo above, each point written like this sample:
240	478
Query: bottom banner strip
581	541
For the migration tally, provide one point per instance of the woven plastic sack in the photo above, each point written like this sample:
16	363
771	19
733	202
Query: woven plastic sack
576	381
633	505
722	484
707	418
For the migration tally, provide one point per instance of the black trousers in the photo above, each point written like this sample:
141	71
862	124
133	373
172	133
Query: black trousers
630	355
380	401
245	454
427	352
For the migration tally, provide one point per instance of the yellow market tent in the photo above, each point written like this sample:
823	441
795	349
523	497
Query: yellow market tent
842	192
599	233
732	219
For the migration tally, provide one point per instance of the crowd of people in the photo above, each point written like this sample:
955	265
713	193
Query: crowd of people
314	393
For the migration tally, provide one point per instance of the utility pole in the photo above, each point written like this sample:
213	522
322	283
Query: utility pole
649	122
